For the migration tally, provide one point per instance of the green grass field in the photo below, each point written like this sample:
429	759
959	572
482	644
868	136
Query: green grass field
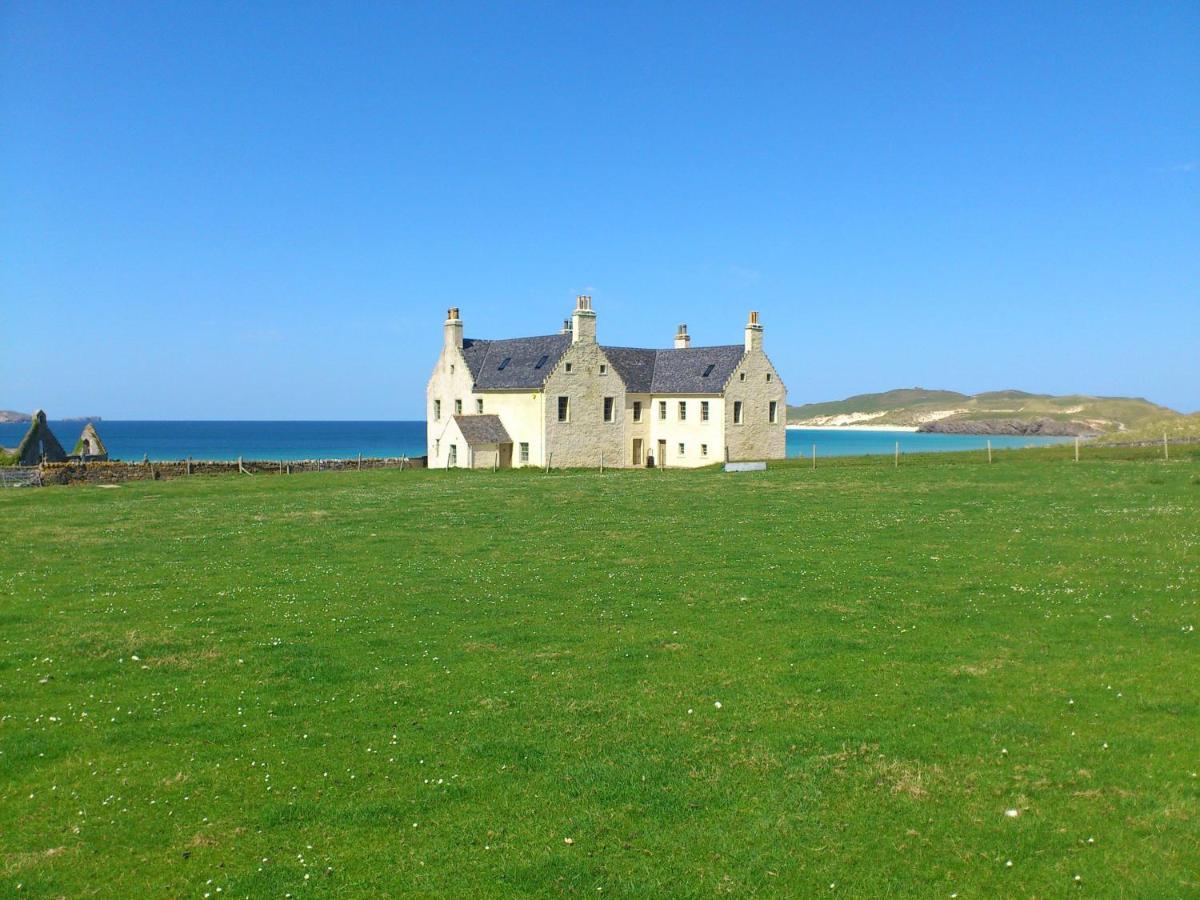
950	678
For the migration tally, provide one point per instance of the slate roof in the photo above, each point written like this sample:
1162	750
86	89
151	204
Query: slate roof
485	429
486	360
676	371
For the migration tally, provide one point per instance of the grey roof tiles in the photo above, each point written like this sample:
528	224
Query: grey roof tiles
482	429
525	363
696	370
529	361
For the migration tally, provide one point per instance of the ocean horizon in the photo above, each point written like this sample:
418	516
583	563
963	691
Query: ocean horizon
290	440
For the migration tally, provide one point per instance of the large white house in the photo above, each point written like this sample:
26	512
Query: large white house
565	400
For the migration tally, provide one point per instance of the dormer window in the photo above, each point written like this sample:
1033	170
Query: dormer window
504	363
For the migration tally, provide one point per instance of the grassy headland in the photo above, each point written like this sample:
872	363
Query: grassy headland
917	406
944	678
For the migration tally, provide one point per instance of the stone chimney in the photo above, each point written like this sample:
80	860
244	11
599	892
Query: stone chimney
454	328
682	339
583	321
566	329
754	334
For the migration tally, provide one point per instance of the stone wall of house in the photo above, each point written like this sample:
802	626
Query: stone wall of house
757	437
451	384
118	472
586	439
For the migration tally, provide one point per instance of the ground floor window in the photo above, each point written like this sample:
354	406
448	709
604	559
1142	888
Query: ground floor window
524	452
704	449
454	454
564	409
608	409
737	412
773	411
681	449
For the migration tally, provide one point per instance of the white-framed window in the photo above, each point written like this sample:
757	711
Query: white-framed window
682	410
681	449
773	412
564	409
704	449
437	410
637	410
703	410
454	454
608	408
458	407
603	369
524	451
479	405
737	412
662	410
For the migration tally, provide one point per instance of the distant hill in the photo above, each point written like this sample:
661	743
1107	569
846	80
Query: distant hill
7	417
991	412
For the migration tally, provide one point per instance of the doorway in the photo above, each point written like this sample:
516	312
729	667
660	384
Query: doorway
662	454
637	451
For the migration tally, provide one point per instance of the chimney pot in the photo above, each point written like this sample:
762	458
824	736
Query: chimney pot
583	321
682	339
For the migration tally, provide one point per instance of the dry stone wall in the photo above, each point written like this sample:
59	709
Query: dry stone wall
119	472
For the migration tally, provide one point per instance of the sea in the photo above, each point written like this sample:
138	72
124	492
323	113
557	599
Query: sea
167	440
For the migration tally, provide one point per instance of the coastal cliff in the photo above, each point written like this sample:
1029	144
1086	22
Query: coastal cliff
1041	426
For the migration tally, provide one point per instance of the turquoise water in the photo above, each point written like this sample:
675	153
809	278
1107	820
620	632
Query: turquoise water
342	440
842	442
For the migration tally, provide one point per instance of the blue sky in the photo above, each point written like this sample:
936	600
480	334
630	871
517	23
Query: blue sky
262	211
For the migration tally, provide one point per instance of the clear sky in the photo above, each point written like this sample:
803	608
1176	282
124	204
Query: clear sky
228	210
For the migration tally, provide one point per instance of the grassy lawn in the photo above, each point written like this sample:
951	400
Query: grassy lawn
946	678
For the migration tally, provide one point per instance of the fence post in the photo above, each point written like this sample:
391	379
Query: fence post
989	450
814	456
189	464
1166	448
360	462
897	454
1076	449
601	462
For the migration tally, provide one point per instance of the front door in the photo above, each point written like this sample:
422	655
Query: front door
662	454
637	451
505	451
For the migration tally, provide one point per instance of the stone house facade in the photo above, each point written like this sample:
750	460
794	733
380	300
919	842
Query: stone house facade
565	400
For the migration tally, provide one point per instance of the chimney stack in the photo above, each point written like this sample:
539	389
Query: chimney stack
754	334
566	329
583	321
682	339
453	328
